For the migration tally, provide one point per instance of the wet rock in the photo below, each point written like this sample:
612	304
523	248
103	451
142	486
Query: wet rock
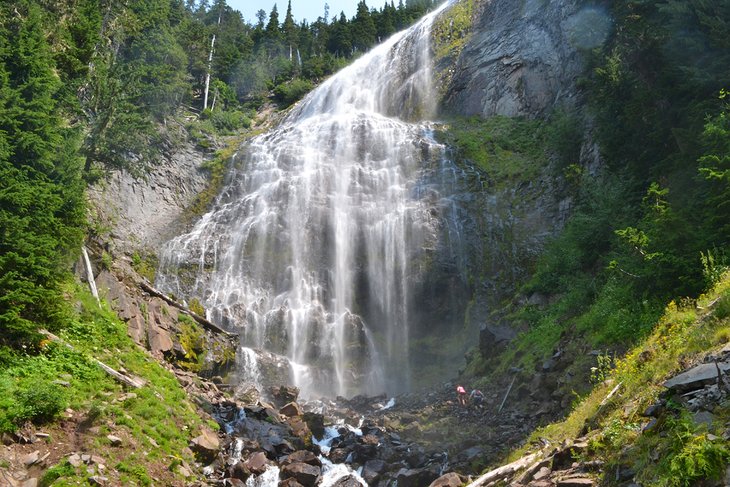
302	456
415	477
205	446
372	470
348	481
315	422
339	455
307	475
451	479
233	483
256	464
239	471
291	409
284	394
290	482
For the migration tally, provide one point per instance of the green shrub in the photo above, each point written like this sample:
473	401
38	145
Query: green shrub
291	91
229	121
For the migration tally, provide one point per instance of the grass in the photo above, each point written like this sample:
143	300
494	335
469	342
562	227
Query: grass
678	451
157	419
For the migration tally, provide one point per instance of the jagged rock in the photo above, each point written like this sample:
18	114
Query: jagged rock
450	479
256	464
98	480
302	456
372	470
239	471
696	377
564	458
542	473
284	394
348	481
75	460
32	482
247	394
290	482
114	440
31	458
205	446
415	477
307	475
315	422
338	455
291	409
231	482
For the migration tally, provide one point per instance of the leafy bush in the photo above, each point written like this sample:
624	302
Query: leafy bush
291	91
229	121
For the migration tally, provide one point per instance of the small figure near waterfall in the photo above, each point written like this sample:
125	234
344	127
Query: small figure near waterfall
477	398
461	395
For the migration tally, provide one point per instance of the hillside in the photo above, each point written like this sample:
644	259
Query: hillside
569	257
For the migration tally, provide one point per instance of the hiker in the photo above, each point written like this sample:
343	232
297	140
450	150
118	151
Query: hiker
477	398
461	395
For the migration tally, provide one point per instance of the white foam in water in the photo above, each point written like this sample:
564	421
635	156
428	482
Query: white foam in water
270	478
330	433
332	472
388	405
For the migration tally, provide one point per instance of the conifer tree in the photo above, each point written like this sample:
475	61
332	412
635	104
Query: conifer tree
41	203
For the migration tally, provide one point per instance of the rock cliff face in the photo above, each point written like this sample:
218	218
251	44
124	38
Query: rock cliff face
145	212
522	60
523	57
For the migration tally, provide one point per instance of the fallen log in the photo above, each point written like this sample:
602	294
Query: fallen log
505	471
135	382
204	322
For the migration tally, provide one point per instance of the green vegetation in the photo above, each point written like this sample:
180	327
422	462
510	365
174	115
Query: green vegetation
38	387
652	224
678	451
450	33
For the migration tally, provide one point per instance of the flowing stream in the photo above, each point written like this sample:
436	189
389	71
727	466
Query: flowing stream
312	249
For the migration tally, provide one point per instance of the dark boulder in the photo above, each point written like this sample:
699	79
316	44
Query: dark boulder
302	456
307	475
415	477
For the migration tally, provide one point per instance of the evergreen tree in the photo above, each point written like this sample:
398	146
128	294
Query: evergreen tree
363	28
41	195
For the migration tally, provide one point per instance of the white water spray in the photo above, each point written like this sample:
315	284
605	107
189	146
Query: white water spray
309	250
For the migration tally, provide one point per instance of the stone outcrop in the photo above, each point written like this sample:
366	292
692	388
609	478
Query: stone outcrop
523	58
144	212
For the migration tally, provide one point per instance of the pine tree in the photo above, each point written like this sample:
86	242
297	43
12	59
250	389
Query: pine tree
41	195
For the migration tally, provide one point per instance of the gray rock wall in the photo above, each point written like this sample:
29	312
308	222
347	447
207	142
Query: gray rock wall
523	57
143	213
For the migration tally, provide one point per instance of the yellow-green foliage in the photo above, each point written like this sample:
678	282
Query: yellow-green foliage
196	307
677	451
191	340
145	265
450	33
217	168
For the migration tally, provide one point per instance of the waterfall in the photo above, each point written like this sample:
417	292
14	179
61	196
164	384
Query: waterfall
312	248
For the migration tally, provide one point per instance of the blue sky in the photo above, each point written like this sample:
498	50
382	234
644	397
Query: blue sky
301	9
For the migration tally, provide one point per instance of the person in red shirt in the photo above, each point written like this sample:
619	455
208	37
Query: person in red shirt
461	395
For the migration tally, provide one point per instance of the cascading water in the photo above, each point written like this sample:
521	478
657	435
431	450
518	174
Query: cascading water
312	248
